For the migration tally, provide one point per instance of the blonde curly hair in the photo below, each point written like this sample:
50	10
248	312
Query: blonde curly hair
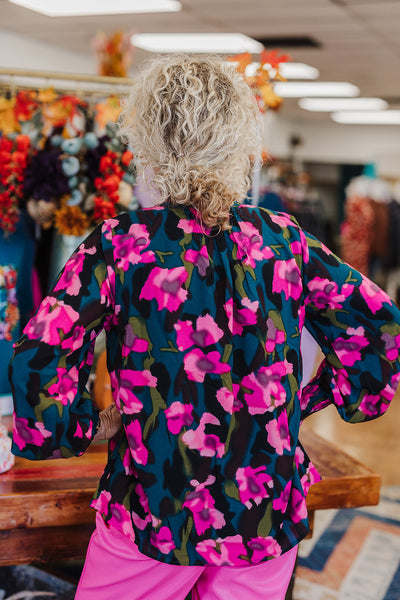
194	121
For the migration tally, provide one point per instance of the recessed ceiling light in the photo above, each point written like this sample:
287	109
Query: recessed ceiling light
299	89
376	117
288	70
230	43
334	104
59	8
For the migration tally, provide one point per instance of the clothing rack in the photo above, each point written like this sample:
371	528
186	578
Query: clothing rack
79	83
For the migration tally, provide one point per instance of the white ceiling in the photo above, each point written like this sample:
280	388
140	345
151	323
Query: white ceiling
358	40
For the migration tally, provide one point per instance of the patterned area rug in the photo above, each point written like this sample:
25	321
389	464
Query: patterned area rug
354	554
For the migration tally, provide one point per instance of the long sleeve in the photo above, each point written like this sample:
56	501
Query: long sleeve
53	412
358	329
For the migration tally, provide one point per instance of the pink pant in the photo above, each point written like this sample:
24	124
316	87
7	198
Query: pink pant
114	568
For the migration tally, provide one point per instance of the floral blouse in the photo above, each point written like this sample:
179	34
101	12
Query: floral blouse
203	344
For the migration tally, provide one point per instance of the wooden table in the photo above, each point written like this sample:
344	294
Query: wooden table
45	517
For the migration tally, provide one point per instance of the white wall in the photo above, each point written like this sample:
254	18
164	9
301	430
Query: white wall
333	142
23	52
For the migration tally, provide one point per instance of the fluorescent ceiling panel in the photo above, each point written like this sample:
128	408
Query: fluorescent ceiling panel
383	117
287	70
335	104
230	43
61	8
299	89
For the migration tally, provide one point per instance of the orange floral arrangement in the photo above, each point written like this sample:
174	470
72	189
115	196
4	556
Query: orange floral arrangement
266	75
114	53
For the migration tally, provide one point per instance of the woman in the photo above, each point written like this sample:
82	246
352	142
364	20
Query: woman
203	301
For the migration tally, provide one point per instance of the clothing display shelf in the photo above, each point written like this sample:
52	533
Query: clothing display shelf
78	83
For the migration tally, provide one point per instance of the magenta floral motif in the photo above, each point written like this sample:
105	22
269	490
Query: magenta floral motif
253	484
267	391
197	364
133	343
226	551
278	433
206	333
274	336
324	293
239	317
178	415
373	296
287	279
129	247
107	228
310	477
121	519
249	242
23	434
341	386
264	547
372	405
193	226
70	280
200	259
65	388
52	317
107	289
163	540
297	506
128	380
138	450
165	286
208	444
282	220
229	400
281	502
201	505
102	502
349	350
74	341
392	345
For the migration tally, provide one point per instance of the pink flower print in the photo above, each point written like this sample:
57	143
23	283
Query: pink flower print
23	434
178	415
128	247
52	317
310	477
228	551
101	503
371	405
128	380
121	519
65	388
299	457
107	289
192	226
392	345
107	228
138	450
239	317
297	507
324	293
200	259
74	341
249	242
349	350
282	502
282	219
274	336
252	485
373	295
206	333
133	343
163	540
165	285
267	391
278	433
208	444
69	279
197	364
144	503
264	547
229	400
341	386
287	279
127	461
201	504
